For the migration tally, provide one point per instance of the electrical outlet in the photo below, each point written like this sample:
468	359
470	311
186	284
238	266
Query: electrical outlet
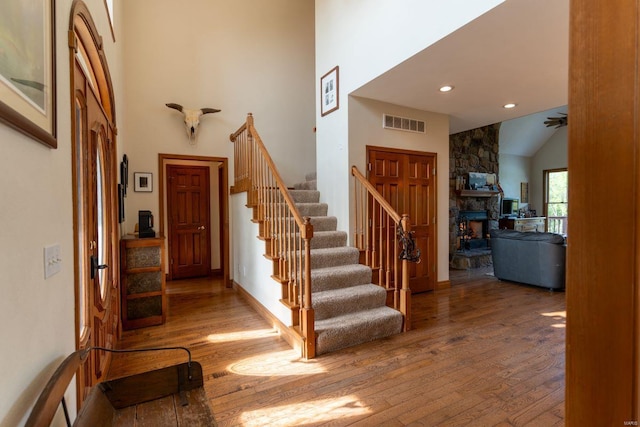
52	260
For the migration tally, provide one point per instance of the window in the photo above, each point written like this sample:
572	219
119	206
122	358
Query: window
556	200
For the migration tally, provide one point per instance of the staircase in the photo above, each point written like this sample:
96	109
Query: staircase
349	309
332	299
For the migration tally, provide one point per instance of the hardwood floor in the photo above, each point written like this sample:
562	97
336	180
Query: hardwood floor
482	353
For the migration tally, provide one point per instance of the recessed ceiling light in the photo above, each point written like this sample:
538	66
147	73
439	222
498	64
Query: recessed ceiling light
446	88
507	106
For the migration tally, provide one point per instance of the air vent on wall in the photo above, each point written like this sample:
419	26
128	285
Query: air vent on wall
403	123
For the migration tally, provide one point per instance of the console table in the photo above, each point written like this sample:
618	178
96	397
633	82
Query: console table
143	298
524	224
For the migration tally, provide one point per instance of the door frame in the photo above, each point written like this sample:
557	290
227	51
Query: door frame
83	34
223	203
434	242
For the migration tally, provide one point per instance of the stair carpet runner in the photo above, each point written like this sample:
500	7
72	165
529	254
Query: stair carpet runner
349	309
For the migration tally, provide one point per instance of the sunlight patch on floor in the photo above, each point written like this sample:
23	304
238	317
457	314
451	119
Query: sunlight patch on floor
277	363
321	410
560	316
242	335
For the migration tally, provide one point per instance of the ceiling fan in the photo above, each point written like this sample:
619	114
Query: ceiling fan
558	122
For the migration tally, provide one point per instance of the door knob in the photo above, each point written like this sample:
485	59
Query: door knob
201	227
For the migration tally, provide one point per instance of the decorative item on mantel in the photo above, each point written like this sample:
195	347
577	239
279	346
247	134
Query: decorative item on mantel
478	185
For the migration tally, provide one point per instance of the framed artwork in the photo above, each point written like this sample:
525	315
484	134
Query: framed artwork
329	94
27	68
143	182
524	192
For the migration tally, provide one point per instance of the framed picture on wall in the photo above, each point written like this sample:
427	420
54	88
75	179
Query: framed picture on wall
143	182
329	94
524	192
27	69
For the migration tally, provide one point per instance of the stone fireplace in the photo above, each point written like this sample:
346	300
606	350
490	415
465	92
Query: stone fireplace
473	230
475	150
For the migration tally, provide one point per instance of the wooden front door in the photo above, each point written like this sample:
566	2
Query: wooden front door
96	230
406	179
188	204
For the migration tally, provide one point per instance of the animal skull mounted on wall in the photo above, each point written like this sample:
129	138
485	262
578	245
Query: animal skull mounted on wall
192	119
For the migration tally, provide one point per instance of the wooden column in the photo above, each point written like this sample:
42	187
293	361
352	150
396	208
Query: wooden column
604	236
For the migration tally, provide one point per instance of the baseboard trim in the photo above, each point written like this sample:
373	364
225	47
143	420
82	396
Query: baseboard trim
285	332
445	284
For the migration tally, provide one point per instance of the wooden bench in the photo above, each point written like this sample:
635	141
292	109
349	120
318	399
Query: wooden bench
171	396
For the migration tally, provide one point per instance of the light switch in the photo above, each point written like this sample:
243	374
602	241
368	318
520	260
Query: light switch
52	260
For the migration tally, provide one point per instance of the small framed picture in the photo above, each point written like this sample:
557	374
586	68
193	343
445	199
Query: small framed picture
143	182
329	93
524	192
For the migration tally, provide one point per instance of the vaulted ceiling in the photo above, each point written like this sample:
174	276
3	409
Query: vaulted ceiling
516	53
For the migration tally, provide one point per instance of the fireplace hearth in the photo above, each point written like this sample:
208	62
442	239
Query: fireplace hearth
473	230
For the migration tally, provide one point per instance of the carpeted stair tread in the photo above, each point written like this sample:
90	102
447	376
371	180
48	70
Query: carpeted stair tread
305	196
356	328
336	302
331	257
328	239
307	185
311	176
312	209
324	279
324	223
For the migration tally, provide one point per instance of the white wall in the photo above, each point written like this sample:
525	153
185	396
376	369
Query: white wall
251	269
552	155
239	56
366	38
365	128
515	170
37	327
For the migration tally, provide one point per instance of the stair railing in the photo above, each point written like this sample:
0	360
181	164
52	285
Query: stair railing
286	233
384	238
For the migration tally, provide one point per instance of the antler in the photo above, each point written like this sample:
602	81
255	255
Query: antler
175	106
209	110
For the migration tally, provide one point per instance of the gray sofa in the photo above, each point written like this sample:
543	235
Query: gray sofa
528	257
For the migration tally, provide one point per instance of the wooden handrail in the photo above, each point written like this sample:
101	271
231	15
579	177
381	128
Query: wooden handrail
237	133
377	196
286	233
373	236
281	185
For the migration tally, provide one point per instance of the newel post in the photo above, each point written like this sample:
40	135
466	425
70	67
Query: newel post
405	291
308	315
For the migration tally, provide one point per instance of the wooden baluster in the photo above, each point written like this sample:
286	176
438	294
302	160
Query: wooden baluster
405	293
380	245
356	234
293	263
387	283
372	231
308	317
396	284
367	229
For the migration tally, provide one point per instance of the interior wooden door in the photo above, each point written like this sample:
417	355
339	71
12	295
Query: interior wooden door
407	181
188	204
